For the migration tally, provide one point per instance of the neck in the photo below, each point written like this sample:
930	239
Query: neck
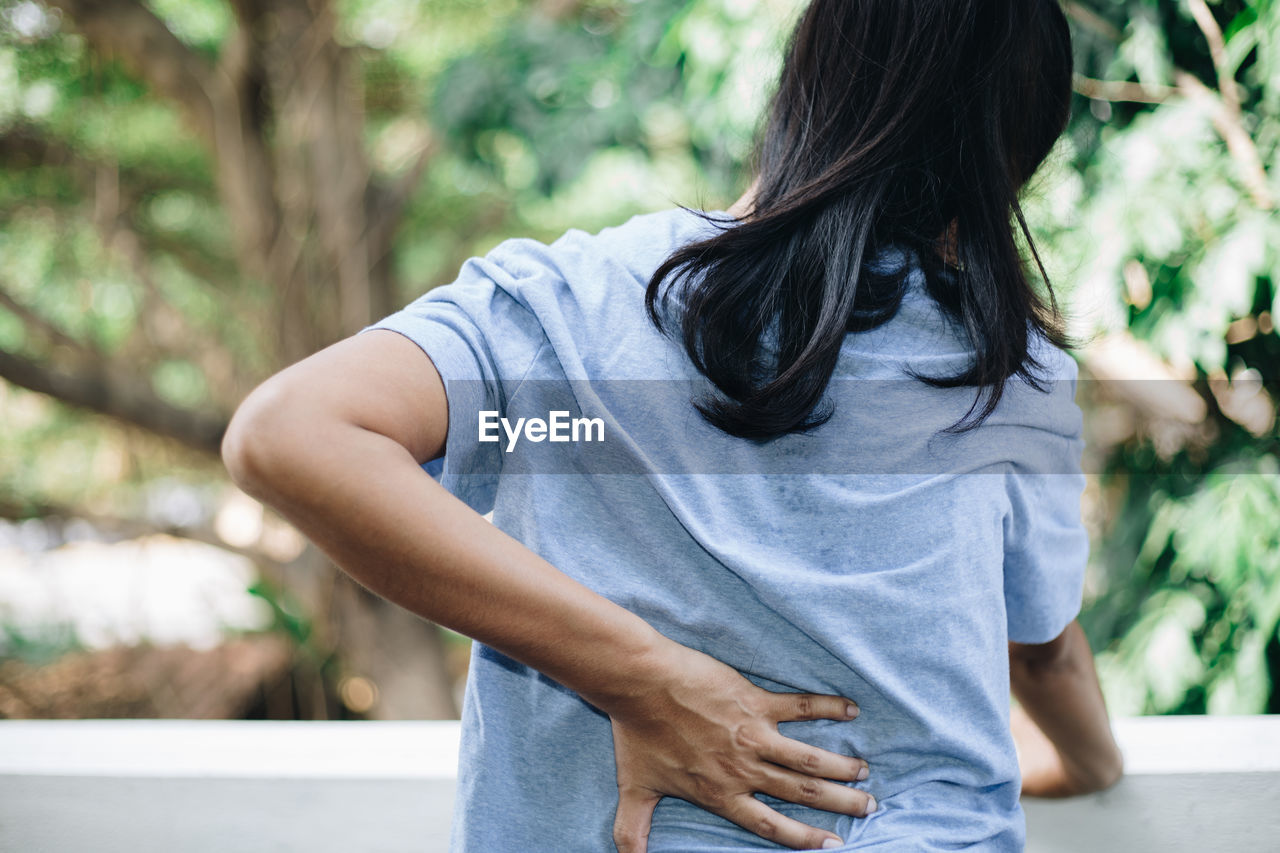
742	207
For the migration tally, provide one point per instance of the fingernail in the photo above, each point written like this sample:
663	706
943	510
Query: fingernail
851	711
862	773
832	844
871	806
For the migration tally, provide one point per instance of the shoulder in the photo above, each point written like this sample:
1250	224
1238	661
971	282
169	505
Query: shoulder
635	247
1048	362
1049	389
1038	422
592	275
582	294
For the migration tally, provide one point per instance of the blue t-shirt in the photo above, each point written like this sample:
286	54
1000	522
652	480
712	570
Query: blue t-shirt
875	557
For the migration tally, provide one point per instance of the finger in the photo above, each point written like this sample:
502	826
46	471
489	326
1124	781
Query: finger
632	820
812	706
812	761
754	816
815	793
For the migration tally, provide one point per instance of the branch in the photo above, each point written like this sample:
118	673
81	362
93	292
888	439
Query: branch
26	146
1157	400
114	392
1223	105
30	319
1239	143
386	205
1218	52
141	41
221	104
1122	90
558	10
161	328
240	95
215	273
1225	109
1092	21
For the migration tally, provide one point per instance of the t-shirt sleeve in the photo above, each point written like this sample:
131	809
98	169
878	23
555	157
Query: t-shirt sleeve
483	337
1046	545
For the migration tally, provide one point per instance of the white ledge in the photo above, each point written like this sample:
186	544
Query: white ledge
137	786
1155	746
222	749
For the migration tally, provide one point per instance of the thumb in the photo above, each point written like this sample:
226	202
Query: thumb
632	821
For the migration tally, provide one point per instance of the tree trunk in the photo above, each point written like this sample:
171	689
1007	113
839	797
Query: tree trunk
403	655
281	119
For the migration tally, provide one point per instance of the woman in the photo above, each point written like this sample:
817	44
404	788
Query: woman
834	505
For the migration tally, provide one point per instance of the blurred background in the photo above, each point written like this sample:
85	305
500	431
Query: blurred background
196	193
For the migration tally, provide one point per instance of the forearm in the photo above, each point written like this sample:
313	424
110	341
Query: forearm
1061	694
364	500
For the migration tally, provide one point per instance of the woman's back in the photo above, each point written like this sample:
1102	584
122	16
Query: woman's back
876	557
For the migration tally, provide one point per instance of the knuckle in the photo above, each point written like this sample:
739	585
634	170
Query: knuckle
759	703
808	792
804	705
810	762
626	840
744	738
766	826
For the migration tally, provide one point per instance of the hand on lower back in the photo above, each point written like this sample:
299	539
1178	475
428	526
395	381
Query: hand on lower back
710	736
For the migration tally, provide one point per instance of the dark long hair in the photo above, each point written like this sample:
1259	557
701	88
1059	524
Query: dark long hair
896	123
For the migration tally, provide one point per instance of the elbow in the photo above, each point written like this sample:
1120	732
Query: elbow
254	442
1110	769
237	453
1104	774
1113	773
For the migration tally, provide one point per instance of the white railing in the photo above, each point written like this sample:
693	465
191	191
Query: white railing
1202	784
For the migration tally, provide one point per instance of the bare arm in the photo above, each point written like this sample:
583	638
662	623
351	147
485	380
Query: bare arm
335	443
1062	731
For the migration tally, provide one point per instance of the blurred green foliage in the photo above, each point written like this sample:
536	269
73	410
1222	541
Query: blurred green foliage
1174	238
1156	217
